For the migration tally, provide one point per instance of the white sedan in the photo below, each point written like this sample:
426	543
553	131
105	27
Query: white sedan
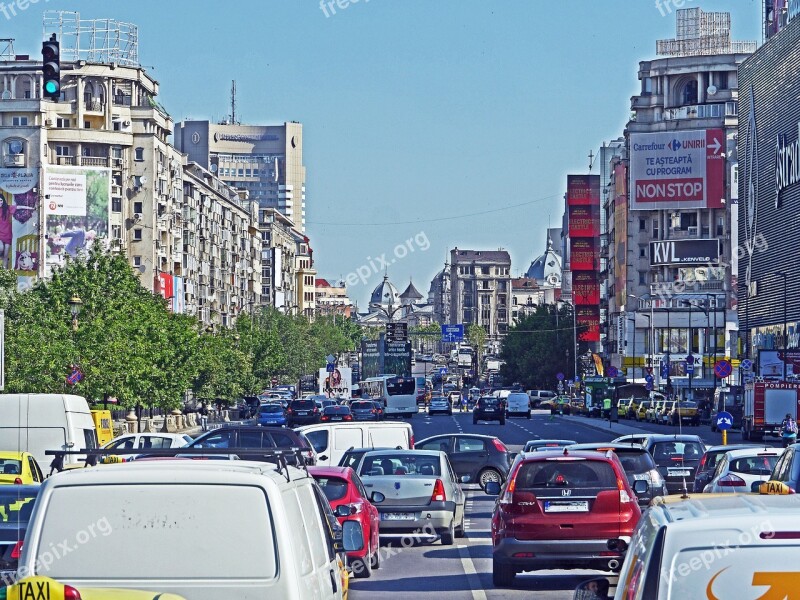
142	441
737	470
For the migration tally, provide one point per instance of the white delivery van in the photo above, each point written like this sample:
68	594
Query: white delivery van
38	422
205	530
331	441
518	404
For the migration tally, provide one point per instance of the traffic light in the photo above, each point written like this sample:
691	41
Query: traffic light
52	68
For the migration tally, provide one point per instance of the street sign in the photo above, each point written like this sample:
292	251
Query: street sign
613	372
747	365
560	376
453	333
722	368
397	332
664	370
724	420
560	386
689	364
75	376
649	378
442	370
330	358
649	386
330	368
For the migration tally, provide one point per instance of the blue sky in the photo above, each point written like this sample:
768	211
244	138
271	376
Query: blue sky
414	112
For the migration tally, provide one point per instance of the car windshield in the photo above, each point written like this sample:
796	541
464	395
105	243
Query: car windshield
635	462
488	403
399	386
548	474
337	410
400	464
334	488
437	399
687	404
362	406
754	465
667	452
271	408
304	405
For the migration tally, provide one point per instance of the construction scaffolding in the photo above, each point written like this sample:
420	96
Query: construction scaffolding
700	33
93	40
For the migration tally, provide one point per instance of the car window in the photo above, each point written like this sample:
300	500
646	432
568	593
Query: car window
664	452
440	445
359	486
37	472
122	444
401	464
712	460
281	440
635	462
318	439
555	474
783	471
251	439
10	466
334	488
754	465
350	459
217	439
329	521
470	445
151	441
89	439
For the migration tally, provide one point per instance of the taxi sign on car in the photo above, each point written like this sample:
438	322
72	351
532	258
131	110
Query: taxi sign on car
45	588
775	488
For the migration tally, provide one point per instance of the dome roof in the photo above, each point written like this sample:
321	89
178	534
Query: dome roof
411	293
385	294
546	269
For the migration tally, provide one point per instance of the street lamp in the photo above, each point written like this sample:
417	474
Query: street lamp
652	327
574	337
75	305
785	275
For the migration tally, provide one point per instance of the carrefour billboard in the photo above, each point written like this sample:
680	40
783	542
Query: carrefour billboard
678	169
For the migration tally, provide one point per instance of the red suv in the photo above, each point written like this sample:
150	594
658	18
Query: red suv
563	510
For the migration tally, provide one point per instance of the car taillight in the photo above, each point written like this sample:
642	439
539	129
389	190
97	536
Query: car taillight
17	550
438	494
18	481
289	411
411	442
703	461
508	494
373	411
325	418
499	445
624	497
316	410
348	417
70	593
731	480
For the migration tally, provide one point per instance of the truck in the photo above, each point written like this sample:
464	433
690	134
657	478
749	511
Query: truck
766	404
493	364
465	357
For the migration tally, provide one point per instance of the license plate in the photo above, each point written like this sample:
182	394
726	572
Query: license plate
302	414
572	506
397	516
681	473
336	419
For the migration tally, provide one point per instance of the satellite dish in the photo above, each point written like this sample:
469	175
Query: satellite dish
213	168
142	268
712	89
143	179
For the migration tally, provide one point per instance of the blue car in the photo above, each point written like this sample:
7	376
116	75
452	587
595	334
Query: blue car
271	414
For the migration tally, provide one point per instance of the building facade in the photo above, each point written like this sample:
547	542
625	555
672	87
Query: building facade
332	299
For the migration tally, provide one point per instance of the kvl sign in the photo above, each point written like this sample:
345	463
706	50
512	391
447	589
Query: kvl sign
787	164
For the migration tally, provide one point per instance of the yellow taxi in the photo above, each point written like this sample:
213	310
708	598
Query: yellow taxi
653	412
666	411
622	407
633	407
641	410
44	588
684	411
19	468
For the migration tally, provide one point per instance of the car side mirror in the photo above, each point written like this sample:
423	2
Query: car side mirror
344	510
492	488
376	497
352	537
641	487
594	588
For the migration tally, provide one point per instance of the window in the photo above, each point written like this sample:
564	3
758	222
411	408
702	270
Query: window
116	204
116	232
689	93
19	121
137	261
137	234
642	224
655	229
642	278
15	147
61	122
720	226
137	207
63	151
318	439
87	125
642	251
116	152
470	445
688	220
722	80
647	86
139	153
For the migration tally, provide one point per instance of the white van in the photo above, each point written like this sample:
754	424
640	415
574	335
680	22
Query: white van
204	530
38	422
716	547
518	404
331	441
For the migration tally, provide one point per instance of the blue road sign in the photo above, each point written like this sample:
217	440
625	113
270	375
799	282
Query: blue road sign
690	364
453	333
747	365
722	368
724	420
329	368
560	376
442	370
649	386
664	370
612	371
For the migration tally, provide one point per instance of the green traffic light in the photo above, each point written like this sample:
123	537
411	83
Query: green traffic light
51	87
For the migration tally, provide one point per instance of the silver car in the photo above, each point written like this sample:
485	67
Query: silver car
440	404
420	489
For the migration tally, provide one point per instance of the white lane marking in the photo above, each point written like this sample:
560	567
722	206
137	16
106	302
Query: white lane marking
471	573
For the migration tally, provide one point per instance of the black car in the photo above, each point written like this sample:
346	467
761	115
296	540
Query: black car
252	436
638	464
302	412
677	458
365	410
489	408
709	461
17	502
332	414
482	458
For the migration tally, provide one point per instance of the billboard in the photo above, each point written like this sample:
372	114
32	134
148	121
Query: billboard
338	383
620	240
684	252
678	169
76	211
584	254
397	358
588	323
19	224
583	214
586	288
584	221
583	190
370	359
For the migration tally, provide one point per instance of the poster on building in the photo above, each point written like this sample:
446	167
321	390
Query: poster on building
77	210
583	190
584	254
336	384
19	223
678	169
179	297
370	359
163	286
584	221
588	323
397	359
620	240
586	288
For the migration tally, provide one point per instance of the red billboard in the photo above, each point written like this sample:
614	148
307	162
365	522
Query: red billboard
583	220
588	323
586	288
583	190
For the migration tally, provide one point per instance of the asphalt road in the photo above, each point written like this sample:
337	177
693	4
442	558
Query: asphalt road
424	569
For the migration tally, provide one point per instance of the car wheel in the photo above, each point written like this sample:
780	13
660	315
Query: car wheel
474	421
502	421
362	567
449	534
488	475
529	415
502	575
460	530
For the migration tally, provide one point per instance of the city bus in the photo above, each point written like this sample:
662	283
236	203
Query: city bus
398	394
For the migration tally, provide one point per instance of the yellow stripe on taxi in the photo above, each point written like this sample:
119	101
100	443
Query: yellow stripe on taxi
44	588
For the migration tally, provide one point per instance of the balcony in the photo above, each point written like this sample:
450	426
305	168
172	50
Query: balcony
94	161
676	233
701	111
94	105
14	160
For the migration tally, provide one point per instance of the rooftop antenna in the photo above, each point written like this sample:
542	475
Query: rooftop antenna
7	49
233	102
591	160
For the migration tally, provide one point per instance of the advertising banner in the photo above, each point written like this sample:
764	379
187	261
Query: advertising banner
76	213
588	323
19	224
370	359
584	254
584	221
338	383
586	288
771	363
397	358
163	286
620	233
684	252
583	190
678	169
179	298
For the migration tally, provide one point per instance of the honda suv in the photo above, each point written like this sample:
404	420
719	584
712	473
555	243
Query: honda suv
302	412
571	510
488	408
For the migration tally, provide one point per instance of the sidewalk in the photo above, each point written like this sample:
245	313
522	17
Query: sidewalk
604	425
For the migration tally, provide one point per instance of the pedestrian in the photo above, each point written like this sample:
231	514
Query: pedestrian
204	417
788	430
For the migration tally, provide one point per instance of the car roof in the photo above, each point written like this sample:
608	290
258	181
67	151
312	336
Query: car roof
722	508
746	452
401	452
458	435
551	441
596	445
677	437
12	454
343	472
587	454
729	447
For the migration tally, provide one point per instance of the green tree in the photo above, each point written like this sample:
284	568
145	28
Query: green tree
476	336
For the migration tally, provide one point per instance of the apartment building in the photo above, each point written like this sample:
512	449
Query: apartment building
332	299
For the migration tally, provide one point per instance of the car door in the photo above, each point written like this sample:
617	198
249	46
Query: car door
443	443
469	456
457	492
374	515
